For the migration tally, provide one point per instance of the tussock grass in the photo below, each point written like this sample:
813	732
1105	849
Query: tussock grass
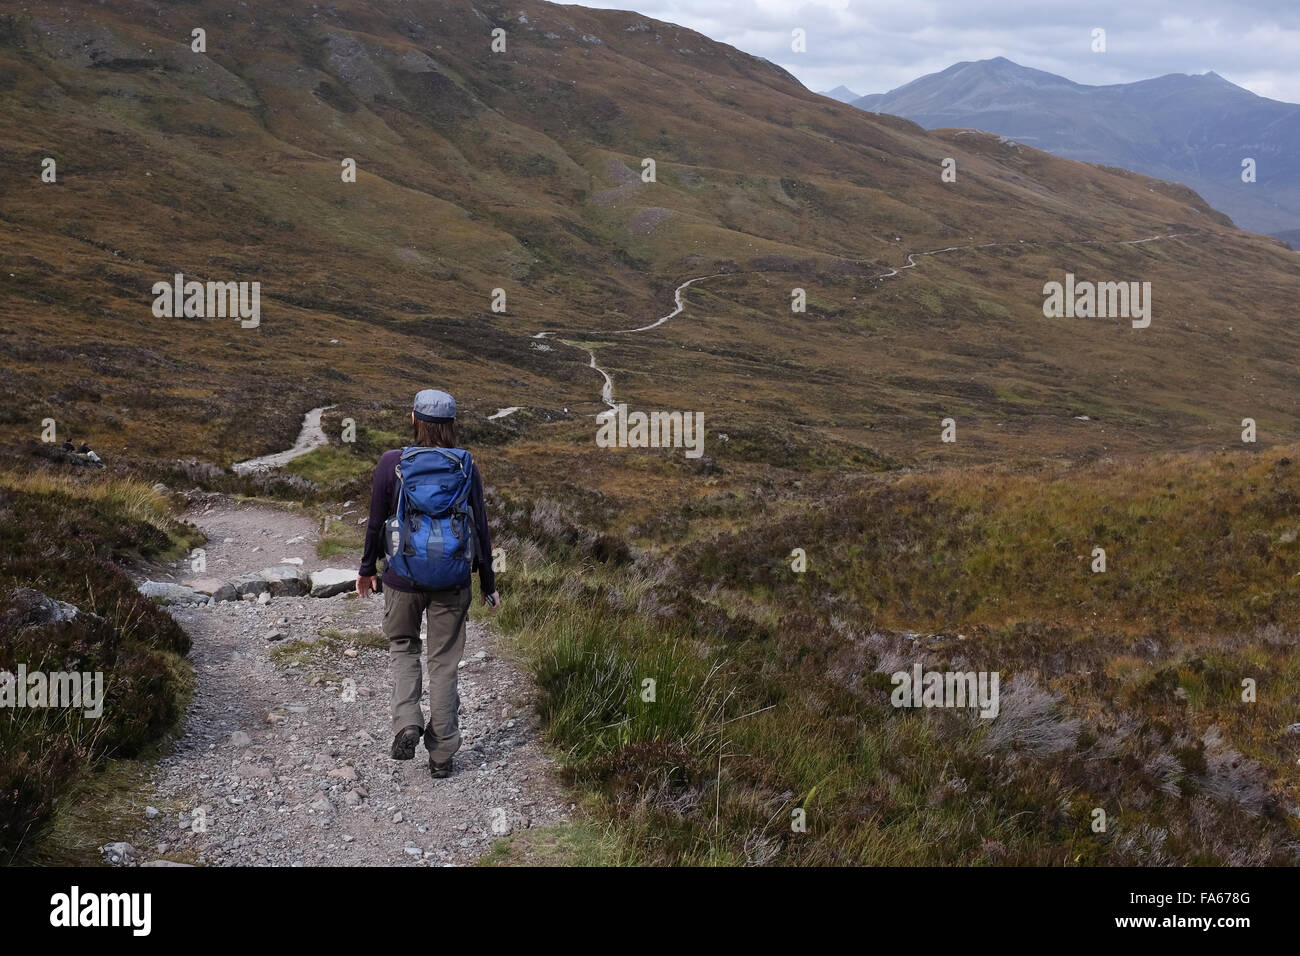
127	499
1120	692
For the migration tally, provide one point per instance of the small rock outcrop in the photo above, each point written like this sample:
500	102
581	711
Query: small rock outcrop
30	608
332	581
167	593
215	588
250	584
287	581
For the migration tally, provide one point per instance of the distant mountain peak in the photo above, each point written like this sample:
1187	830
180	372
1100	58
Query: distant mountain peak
1191	128
842	93
1211	76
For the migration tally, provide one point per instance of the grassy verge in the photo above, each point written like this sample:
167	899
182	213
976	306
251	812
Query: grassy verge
106	805
61	536
722	709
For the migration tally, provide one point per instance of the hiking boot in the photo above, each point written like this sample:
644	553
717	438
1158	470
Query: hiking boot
439	770
405	741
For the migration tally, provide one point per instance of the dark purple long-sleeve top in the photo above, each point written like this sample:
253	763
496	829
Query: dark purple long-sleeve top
383	505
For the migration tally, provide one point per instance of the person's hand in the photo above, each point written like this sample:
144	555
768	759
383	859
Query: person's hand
493	600
365	584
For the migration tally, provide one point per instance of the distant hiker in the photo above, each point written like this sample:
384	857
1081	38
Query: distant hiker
84	452
427	516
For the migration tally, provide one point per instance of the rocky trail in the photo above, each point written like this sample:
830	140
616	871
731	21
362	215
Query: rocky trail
284	757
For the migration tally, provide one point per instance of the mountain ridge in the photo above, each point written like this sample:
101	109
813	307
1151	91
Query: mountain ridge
1190	128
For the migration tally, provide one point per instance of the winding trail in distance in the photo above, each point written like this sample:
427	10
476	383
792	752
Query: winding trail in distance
312	436
607	389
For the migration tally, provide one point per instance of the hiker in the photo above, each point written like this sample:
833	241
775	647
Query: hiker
85	452
427	517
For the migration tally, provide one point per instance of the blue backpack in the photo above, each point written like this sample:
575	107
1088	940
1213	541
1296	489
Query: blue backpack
430	540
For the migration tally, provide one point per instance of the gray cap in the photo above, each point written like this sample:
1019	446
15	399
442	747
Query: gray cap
432	405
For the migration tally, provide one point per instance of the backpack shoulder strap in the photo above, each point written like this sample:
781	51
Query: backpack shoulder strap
466	464
396	503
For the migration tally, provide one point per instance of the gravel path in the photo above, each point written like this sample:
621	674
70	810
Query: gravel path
282	768
310	437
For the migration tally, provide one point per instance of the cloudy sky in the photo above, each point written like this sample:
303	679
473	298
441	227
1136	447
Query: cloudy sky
875	45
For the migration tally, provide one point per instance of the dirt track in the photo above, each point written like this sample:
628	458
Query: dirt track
288	771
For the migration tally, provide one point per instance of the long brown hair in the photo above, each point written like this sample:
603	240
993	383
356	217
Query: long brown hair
434	434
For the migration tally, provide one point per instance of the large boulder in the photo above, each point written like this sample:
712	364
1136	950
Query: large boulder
215	588
287	581
167	593
331	581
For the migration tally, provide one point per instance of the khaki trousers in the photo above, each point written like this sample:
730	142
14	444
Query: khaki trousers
446	612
